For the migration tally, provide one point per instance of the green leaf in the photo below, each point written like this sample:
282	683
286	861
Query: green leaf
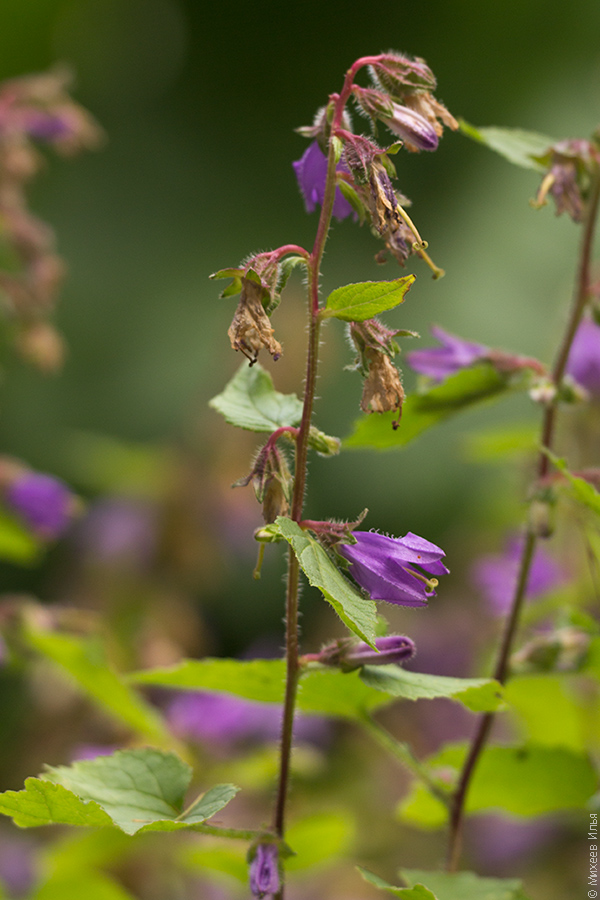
322	691
134	790
358	613
581	490
418	892
84	660
89	884
501	444
229	860
357	302
517	146
423	410
250	401
465	885
318	839
17	545
525	781
477	694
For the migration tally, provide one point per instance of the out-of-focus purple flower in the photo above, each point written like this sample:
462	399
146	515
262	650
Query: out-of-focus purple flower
584	359
453	355
44	502
227	720
348	655
17	864
92	751
413	128
500	842
264	871
496	575
389	568
118	530
311	172
46	126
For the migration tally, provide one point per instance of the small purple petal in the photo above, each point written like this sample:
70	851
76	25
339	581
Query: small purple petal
453	355
43	502
311	172
412	128
584	359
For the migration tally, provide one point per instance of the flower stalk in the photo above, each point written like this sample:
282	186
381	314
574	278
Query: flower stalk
580	299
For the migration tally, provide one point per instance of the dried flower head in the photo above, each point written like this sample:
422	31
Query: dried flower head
251	328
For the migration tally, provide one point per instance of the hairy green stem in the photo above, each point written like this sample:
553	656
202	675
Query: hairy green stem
581	295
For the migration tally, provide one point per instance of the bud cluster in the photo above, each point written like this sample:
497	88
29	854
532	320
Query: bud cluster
35	109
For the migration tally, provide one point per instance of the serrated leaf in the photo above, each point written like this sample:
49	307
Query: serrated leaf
134	790
358	613
466	388
418	892
17	545
526	781
519	147
465	885
357	302
477	694
250	401
580	489
84	661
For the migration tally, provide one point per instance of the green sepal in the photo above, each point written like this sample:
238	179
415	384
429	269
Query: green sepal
338	148
324	444
350	194
358	302
236	285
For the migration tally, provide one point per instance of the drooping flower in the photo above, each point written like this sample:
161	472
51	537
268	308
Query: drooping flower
311	172
43	502
584	358
453	355
414	129
496	575
264	870
390	568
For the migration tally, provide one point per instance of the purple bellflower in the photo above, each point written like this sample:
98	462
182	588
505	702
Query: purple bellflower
584	359
264	871
496	576
454	354
392	649
311	172
389	568
43	502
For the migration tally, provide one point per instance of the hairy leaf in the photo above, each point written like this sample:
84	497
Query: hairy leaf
357	302
357	612
477	694
250	401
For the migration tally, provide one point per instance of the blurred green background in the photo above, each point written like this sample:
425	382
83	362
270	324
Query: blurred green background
199	102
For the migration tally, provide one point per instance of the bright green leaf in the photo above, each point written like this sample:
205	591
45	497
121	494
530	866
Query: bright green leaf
501	444
230	860
135	790
89	884
554	710
318	839
418	892
423	410
84	660
518	147
358	613
250	401
465	885
17	545
357	302
525	781
477	694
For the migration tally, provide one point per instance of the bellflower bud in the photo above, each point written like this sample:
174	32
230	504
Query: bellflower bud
272	482
414	129
389	568
584	359
264	871
348	655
